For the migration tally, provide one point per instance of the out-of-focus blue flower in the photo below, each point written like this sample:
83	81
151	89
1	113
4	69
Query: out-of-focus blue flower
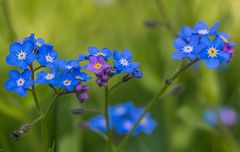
68	66
225	115
185	49
122	119
47	57
19	82
67	81
21	55
123	61
50	78
98	123
213	53
105	52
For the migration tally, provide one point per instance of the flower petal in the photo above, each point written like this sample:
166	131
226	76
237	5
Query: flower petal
212	63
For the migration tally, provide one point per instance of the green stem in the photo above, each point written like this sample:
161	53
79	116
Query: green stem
153	101
41	112
109	134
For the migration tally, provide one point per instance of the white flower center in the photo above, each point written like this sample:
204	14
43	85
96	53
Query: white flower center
49	76
187	49
212	52
21	55
20	82
100	54
203	31
124	62
68	67
127	125
120	110
67	82
49	58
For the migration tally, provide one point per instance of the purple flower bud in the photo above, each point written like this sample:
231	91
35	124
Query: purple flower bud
81	92
228	49
82	97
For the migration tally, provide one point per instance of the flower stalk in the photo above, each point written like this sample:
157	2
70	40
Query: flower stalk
153	101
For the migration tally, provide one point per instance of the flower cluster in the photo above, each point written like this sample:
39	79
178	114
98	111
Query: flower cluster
225	115
203	43
122	118
56	72
98	64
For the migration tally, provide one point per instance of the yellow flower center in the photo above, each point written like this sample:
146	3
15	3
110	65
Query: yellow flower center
97	66
212	52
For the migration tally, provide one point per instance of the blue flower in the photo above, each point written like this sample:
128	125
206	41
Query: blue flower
82	57
225	115
186	33
21	55
67	66
98	123
19	82
67	81
213	53
123	61
105	52
47	57
82	76
187	49
147	124
137	74
38	43
202	29
50	78
226	39
122	119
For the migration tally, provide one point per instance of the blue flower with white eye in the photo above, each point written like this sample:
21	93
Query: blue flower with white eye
47	57
50	78
187	49
105	52
68	66
67	81
82	76
21	55
201	28
19	82
213	53
123	61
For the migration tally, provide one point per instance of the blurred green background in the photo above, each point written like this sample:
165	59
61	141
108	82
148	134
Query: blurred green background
73	25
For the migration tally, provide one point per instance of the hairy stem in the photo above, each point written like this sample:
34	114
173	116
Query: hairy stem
154	100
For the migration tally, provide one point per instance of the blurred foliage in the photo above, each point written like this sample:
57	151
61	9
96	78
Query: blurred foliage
73	25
